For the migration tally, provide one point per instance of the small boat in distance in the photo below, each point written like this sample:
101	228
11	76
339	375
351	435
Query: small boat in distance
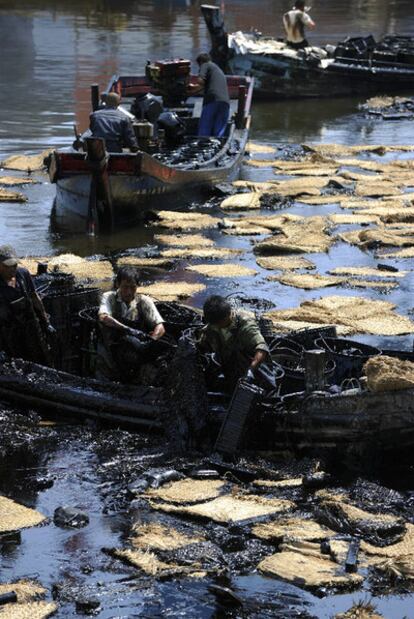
356	66
99	189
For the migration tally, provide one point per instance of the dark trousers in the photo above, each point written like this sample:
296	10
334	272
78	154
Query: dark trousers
300	45
214	118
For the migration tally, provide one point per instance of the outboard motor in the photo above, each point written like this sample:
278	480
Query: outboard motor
147	107
173	127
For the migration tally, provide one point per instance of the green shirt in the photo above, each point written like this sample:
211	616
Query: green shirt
241	338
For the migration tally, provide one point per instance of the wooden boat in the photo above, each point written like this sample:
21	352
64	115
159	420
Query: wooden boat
100	189
339	419
356	66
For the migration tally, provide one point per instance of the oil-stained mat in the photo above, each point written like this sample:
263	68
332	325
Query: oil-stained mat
178	220
226	509
184	240
222	270
307	571
284	263
339	150
136	261
271	222
149	563
214	252
28	605
353	314
369	283
361	610
171	291
156	536
389	374
291	529
255	147
261	186
188	491
246	231
29	610
85	270
311	171
259	163
307	235
14	516
11	196
403	548
397	213
282	483
366	272
16	180
306	281
373	237
341	219
375	188
25	163
242	201
308	185
403	253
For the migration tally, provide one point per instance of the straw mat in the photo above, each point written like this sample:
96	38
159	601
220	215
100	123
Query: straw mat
188	491
14	516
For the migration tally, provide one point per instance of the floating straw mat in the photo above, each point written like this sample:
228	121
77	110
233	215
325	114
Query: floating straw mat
219	252
149	563
242	201
306	281
27	606
362	283
261	186
254	147
307	235
11	196
359	176
30	610
222	270
184	240
340	219
366	272
16	180
171	291
408	252
389	374
360	611
355	516
245	231
395	214
259	163
136	261
89	270
284	263
283	483
228	509
310	171
306	570
334	150
160	537
300	186
177	220
188	491
356	314
375	188
291	528
320	200
25	163
14	516
405	547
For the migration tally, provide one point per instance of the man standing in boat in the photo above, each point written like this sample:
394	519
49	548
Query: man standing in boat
216	103
113	126
24	323
235	337
294	22
126	317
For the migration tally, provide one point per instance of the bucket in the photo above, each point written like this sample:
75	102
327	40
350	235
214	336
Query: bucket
348	355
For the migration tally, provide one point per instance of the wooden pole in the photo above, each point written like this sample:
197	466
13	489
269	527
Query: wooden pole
241	106
95	97
315	370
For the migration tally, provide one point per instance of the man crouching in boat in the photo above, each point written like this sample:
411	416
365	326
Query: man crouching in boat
24	323
234	336
131	324
294	22
113	126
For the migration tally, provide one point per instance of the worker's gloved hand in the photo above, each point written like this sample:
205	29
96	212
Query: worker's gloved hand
135	333
250	377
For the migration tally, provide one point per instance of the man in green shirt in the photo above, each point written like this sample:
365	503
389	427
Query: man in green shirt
234	336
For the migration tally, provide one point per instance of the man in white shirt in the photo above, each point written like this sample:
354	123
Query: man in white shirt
294	22
119	309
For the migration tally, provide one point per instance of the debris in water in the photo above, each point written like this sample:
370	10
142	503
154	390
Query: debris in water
70	517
